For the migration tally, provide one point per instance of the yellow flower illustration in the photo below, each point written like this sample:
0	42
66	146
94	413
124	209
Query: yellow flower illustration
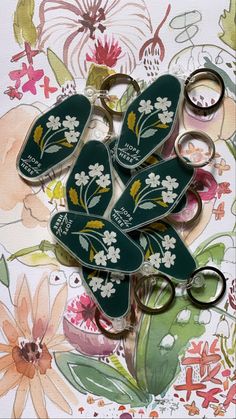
32	335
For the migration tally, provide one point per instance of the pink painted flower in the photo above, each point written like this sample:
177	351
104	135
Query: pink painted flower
106	53
223	188
205	184
71	27
81	330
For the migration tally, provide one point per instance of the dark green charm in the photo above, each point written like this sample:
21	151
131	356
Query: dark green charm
96	242
89	186
54	137
152	194
110	290
164	250
125	174
148	121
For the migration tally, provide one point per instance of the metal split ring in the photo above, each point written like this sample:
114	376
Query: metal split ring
197	134
204	74
110	81
196	215
141	283
114	335
99	110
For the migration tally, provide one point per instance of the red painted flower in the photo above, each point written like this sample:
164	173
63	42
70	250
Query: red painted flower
105	52
189	386
209	396
204	360
205	184
81	310
223	188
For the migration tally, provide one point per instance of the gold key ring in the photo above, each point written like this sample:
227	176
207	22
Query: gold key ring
199	134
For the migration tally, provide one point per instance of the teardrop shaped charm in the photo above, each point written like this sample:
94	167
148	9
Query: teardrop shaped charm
148	121
110	290
53	137
152	194
89	186
164	250
96	242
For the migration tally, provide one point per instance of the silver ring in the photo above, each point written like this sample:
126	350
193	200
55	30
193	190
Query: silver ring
200	74
206	138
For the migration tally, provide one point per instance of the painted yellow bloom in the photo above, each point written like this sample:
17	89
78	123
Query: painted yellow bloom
32	335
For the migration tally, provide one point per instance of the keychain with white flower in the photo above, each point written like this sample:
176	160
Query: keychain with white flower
148	121
152	194
53	137
89	186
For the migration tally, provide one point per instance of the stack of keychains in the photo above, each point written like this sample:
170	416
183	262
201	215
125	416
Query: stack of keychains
134	235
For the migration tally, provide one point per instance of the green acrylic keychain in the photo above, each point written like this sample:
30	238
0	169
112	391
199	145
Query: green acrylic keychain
152	194
110	290
53	137
96	242
148	121
164	250
89	186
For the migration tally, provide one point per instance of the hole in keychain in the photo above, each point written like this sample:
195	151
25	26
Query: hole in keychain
115	335
203	74
195	135
197	214
99	110
112	80
194	281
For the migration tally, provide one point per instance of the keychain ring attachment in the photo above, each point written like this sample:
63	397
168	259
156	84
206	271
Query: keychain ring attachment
110	81
99	109
196	215
190	283
150	310
203	74
114	335
202	135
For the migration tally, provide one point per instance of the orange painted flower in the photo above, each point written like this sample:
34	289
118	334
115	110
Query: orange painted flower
31	337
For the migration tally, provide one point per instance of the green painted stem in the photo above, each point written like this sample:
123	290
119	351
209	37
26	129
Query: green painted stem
225	313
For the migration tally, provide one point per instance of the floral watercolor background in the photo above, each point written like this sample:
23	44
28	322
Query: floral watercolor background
53	361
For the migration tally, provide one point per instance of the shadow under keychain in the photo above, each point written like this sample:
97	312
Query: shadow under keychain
53	137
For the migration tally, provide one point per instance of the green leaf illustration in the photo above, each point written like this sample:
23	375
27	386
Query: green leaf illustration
94	201
149	133
52	149
143	241
61	72
84	243
4	273
147	205
128	96
88	375
214	253
23	26
96	75
157	364
227	23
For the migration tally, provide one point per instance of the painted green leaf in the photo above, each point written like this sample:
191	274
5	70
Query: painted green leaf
23	26
61	72
149	133
88	375
4	273
147	205
227	23
128	96
52	149
84	243
96	75
214	253
233	207
156	364
94	201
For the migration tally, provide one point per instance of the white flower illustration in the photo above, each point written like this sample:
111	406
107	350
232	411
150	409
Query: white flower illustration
96	283
153	180
72	136
145	106
162	103
168	196
170	183
113	254
166	117
103	181
96	169
168	259
117	278
70	122
107	290
155	260
53	122
168	242
100	258
81	178
109	237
